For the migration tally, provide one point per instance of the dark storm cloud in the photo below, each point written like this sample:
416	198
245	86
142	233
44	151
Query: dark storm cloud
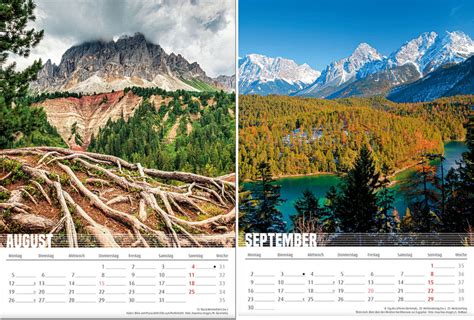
202	31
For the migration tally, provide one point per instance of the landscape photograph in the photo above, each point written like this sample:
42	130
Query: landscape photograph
117	122
356	125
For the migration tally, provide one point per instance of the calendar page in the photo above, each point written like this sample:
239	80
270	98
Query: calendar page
356	160
355	281
118	195
237	159
117	283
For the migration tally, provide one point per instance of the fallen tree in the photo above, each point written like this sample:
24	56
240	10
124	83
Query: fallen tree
90	199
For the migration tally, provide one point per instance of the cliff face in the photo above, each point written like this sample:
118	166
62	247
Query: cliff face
130	61
227	82
88	113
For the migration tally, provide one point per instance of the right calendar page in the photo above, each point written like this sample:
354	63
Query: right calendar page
356	159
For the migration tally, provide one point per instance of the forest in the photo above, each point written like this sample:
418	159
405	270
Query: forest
438	204
194	132
362	202
309	136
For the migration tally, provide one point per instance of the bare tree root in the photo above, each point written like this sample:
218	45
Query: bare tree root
102	182
28	195
118	203
40	188
118	199
70	228
225	218
6	176
43	158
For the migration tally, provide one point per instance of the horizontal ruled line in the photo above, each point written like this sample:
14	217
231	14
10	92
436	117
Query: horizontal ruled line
323	300
114	260
370	259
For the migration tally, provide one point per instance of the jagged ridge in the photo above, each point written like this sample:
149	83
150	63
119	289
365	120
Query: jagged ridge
100	66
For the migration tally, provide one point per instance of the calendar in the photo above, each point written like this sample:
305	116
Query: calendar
356	281
117	283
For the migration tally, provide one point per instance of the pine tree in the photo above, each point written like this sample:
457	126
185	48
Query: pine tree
20	125
357	203
424	196
259	211
384	220
459	215
307	219
16	38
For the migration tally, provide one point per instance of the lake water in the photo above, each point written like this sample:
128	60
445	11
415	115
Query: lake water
292	188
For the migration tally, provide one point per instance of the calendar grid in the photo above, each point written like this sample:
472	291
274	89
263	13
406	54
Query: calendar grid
355	281
144	283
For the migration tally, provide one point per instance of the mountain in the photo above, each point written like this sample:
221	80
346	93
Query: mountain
378	83
430	51
226	82
100	66
341	71
449	80
367	73
263	75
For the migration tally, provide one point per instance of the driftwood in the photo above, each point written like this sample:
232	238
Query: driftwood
150	207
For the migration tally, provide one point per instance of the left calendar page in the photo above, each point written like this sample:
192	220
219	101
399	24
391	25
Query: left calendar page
117	159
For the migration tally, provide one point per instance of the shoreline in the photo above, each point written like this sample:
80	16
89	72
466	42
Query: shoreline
393	175
296	175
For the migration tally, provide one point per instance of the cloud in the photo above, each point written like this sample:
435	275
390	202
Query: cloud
202	31
454	11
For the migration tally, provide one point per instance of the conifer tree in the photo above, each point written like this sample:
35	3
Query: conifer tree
329	220
358	201
307	219
18	39
384	220
459	215
421	191
260	212
20	125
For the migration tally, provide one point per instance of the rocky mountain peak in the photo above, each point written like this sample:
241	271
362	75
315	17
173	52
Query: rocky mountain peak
101	66
269	75
365	52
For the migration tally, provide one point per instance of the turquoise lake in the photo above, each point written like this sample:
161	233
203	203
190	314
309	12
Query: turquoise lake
292	188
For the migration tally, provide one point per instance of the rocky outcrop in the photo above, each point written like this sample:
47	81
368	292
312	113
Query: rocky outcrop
88	113
100	66
226	82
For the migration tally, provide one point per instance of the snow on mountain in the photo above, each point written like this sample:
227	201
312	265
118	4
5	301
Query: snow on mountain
454	47
265	75
448	80
412	51
342	71
429	51
425	53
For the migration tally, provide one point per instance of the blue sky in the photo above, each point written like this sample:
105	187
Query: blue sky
320	31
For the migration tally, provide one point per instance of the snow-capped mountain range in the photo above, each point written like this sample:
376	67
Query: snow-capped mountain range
264	75
342	71
366	71
448	80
